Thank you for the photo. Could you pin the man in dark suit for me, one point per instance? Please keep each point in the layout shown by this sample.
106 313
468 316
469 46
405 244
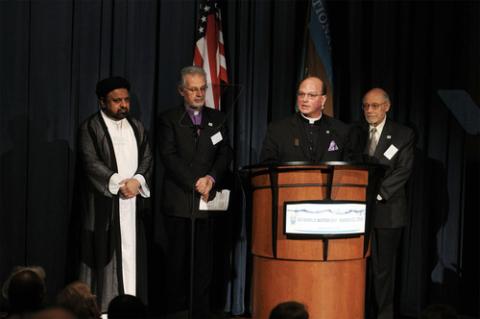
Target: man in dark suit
196 155
391 144
309 135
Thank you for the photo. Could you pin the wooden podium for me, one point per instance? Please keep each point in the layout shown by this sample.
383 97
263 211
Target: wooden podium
326 274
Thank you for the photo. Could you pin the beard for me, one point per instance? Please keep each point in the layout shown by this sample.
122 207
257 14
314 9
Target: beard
119 115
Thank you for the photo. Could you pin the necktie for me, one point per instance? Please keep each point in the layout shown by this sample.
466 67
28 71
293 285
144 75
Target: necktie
372 141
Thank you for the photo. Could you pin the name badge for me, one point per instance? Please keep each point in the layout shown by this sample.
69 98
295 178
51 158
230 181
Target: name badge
390 152
217 137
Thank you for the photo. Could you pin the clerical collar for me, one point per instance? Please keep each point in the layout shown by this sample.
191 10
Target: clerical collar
311 120
195 115
193 111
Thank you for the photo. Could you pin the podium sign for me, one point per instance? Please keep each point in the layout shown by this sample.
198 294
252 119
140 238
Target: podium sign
324 219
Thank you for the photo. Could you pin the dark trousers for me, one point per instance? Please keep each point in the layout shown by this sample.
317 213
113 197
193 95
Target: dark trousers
385 243
178 266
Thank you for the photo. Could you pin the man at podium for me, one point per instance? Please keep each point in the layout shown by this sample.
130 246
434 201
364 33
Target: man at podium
308 135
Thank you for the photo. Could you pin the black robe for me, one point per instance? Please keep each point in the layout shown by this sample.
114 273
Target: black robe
101 255
287 140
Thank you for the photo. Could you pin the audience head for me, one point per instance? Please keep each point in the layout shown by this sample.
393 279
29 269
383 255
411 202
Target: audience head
25 289
54 313
289 310
126 306
78 298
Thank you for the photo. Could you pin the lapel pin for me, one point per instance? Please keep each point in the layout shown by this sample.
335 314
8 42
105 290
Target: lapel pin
210 124
389 137
327 131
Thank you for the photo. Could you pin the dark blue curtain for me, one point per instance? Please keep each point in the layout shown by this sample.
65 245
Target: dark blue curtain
53 52
414 50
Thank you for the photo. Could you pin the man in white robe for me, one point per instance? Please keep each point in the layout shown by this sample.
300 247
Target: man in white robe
117 163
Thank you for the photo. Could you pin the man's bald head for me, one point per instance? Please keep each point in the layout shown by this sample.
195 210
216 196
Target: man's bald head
311 97
378 92
317 81
376 104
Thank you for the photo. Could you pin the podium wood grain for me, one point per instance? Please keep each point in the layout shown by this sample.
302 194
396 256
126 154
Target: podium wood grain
332 288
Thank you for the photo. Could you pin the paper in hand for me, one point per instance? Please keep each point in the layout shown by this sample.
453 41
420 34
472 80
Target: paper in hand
219 203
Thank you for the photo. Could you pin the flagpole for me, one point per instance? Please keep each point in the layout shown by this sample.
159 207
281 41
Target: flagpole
209 51
306 36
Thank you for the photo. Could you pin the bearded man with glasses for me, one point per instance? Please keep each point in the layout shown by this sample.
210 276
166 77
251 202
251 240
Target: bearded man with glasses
195 153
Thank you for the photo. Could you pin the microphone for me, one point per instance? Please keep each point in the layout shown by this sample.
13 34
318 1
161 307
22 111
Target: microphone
234 99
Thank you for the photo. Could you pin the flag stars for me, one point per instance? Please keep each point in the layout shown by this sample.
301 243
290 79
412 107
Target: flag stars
205 22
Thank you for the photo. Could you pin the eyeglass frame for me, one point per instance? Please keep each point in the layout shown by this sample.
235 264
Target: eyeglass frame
374 106
195 90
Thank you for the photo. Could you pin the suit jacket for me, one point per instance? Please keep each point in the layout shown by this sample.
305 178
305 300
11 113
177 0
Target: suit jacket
286 141
391 211
188 156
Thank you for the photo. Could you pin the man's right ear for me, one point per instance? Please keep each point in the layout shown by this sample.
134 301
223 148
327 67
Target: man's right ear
180 90
101 103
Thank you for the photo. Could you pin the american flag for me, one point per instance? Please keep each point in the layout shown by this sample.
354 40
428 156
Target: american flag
210 52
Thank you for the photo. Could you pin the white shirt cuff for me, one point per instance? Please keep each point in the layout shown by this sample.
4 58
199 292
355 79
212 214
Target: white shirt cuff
114 183
144 190
379 197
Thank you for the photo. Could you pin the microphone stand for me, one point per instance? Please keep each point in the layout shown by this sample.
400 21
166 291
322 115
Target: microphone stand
193 218
193 215
192 258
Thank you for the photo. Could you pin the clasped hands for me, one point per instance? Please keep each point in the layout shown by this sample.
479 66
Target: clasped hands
129 188
204 185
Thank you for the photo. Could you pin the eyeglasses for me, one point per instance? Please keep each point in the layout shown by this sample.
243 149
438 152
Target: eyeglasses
374 106
309 96
196 90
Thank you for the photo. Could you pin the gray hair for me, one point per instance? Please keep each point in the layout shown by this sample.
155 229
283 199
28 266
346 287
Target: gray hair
386 96
190 70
